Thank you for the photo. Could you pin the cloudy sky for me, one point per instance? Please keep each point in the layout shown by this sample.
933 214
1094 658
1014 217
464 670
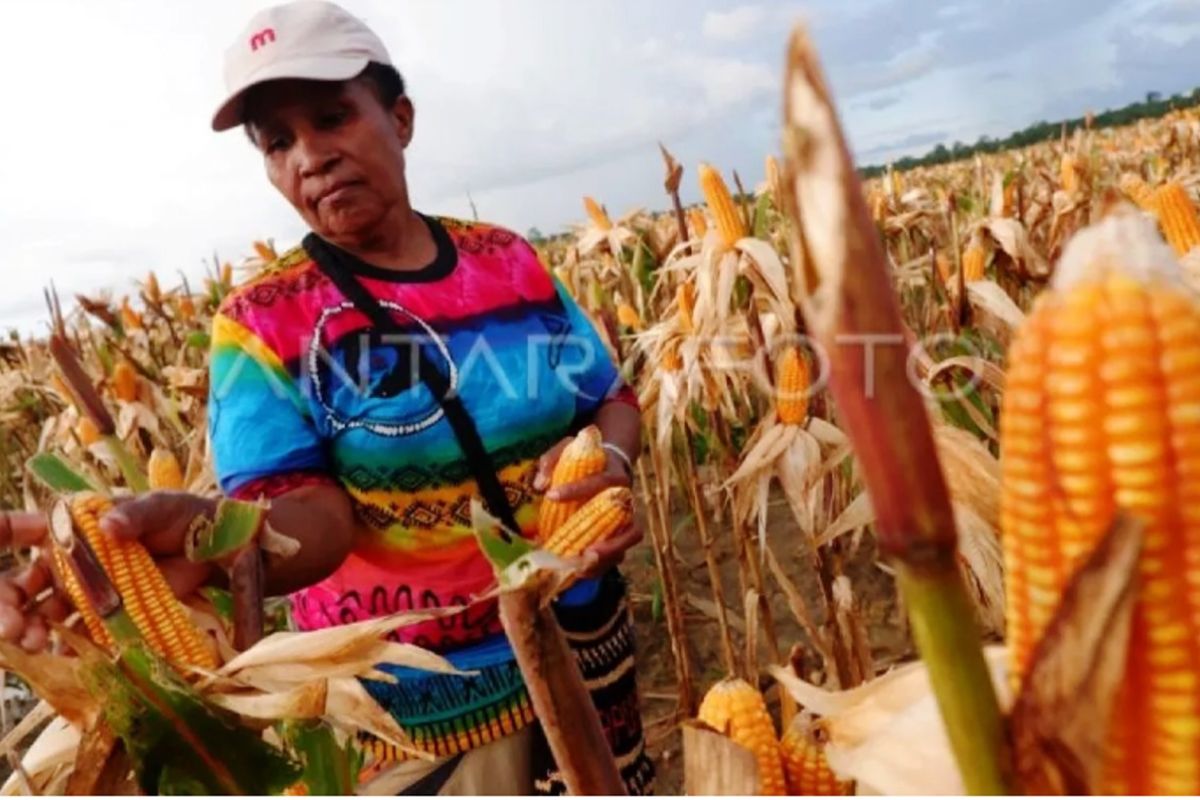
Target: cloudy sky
108 166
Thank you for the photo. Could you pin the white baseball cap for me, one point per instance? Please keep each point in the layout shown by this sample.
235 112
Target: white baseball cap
307 39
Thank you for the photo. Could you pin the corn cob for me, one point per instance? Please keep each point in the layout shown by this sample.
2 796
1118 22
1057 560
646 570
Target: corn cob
87 431
597 214
804 763
685 296
66 578
737 710
580 459
628 316
125 382
699 223
973 259
792 380
152 289
130 319
163 469
720 204
1177 217
265 252
599 518
185 308
1100 414
1138 191
145 594
1069 173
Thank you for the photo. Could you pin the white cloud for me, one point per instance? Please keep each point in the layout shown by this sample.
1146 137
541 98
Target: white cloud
735 25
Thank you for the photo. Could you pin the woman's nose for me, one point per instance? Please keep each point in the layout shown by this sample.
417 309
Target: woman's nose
315 156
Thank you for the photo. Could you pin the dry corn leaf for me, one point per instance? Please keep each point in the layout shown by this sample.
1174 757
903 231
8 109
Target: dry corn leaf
714 765
1061 719
888 734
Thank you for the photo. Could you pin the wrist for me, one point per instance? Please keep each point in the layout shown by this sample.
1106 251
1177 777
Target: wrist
621 456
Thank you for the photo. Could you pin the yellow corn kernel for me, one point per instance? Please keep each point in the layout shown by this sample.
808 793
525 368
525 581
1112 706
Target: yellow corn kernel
597 214
804 763
583 457
144 592
792 381
125 381
698 222
1102 384
163 470
598 518
1177 217
720 204
1138 191
737 710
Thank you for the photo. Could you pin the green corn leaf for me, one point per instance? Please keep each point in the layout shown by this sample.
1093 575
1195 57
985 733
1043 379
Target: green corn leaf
56 474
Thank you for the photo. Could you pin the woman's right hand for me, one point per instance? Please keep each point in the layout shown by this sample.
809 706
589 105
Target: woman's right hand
158 519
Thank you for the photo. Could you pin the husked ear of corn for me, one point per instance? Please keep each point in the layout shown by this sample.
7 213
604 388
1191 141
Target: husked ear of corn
124 381
583 457
1177 217
792 381
628 316
145 594
685 297
87 431
1070 169
699 223
737 710
601 517
973 260
164 471
185 308
130 319
597 214
1138 191
720 204
804 763
1101 413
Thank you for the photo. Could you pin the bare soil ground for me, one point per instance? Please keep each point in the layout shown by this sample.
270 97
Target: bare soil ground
873 588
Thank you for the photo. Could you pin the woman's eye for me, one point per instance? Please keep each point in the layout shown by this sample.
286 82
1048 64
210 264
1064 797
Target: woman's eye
332 119
276 143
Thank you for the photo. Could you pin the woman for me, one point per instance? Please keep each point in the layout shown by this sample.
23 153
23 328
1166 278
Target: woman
329 379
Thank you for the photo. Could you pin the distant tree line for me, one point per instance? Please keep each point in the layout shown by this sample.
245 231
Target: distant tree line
1154 106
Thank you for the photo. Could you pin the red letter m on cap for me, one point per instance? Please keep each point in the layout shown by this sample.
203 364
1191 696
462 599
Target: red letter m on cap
261 38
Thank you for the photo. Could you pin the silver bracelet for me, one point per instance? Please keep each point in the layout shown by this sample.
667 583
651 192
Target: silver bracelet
619 453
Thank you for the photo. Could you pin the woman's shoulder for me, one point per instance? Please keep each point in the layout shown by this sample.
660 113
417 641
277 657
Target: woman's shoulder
273 290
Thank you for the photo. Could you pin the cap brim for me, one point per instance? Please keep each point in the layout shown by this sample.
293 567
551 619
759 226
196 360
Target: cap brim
229 114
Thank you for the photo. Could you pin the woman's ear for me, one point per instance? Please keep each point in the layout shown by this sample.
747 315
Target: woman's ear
403 114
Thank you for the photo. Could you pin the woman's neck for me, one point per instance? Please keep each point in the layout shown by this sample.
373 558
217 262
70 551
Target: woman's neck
401 242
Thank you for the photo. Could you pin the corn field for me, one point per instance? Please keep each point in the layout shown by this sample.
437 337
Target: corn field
773 589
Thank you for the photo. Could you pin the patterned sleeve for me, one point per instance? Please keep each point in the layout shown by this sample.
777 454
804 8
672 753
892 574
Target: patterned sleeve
593 371
263 437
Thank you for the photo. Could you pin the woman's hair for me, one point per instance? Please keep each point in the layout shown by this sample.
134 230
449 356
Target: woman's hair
384 79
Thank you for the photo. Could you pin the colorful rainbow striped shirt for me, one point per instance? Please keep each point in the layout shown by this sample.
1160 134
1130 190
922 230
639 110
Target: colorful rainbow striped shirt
303 391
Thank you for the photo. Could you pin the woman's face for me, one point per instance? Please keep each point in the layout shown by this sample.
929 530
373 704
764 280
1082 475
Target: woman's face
334 152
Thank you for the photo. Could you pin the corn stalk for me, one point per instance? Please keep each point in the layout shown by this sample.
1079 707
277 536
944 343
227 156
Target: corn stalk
849 303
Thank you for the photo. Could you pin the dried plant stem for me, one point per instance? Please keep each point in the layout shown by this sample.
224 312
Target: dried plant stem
560 698
836 244
710 559
660 533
